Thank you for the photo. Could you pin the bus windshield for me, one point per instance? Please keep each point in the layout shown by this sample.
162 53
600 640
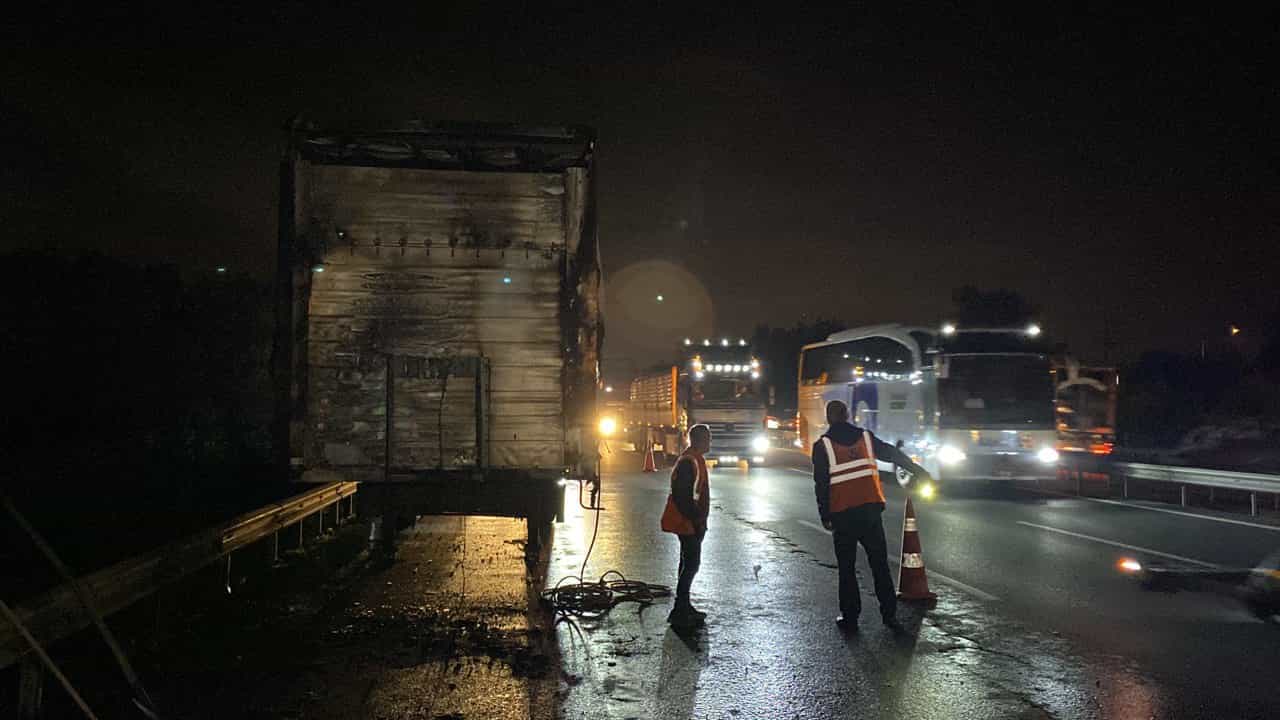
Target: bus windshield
996 391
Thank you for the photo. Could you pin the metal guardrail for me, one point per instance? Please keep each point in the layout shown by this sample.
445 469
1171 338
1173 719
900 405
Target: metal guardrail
59 613
1252 483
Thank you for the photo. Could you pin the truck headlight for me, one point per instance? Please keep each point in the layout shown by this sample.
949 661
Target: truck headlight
1047 455
608 426
760 443
950 455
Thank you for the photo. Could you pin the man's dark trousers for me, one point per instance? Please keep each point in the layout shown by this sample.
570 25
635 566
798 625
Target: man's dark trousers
862 524
690 559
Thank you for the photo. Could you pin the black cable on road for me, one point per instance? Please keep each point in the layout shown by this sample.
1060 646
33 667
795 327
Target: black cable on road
591 600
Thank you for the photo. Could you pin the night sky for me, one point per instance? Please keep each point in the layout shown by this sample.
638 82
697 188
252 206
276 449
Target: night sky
754 167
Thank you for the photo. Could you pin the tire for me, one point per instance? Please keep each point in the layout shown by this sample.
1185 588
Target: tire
538 532
1262 609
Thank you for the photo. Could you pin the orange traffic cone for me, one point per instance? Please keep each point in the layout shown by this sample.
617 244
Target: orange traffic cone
913 584
649 466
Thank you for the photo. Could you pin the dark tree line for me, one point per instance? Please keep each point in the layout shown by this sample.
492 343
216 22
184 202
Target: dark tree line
779 352
1164 395
132 384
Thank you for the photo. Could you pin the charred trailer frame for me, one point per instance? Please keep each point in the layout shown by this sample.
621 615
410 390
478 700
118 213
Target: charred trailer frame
438 313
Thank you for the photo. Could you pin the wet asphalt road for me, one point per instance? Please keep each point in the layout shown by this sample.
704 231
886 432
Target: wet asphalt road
1032 621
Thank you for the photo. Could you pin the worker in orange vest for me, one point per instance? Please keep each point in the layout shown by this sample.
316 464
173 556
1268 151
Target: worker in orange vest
686 513
850 501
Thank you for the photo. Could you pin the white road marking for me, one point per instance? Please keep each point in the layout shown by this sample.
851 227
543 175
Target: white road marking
1197 516
964 587
815 526
806 473
1113 543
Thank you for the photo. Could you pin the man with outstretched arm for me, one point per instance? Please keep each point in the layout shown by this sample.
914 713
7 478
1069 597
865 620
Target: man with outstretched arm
850 501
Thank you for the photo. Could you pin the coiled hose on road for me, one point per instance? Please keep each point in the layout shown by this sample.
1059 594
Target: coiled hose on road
591 600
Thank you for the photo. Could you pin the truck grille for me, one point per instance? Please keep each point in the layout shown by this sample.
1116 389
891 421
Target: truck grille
732 428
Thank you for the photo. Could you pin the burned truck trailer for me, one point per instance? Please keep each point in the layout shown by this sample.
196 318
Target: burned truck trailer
439 329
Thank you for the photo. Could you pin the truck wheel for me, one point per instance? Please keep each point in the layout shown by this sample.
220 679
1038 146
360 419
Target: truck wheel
538 537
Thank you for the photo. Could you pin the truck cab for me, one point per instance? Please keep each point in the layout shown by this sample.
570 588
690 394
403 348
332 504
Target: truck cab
716 383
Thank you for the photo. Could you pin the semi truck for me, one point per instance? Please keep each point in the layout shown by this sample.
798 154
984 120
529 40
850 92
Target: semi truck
1085 404
438 317
716 383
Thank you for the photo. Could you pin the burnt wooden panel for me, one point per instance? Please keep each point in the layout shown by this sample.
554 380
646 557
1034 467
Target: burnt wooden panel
434 264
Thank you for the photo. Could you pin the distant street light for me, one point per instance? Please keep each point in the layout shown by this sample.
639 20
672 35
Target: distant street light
660 298
608 388
1234 330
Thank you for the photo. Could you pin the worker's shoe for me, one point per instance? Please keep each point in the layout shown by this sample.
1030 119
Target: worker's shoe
695 612
682 618
847 623
685 616
894 626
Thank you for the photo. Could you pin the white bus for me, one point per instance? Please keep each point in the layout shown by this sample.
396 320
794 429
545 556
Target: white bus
967 404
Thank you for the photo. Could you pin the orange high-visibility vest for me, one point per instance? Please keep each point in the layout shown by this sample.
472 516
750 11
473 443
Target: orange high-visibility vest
854 478
674 521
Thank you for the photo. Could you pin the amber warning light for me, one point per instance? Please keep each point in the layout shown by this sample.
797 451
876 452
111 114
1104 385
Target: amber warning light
1130 565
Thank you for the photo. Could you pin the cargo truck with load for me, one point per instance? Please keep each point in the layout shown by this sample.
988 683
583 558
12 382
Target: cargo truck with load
438 317
716 383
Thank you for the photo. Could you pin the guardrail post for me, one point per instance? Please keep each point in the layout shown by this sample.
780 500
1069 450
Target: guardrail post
275 548
1183 492
320 517
1253 503
1079 483
301 524
228 573
30 688
1124 486
1212 495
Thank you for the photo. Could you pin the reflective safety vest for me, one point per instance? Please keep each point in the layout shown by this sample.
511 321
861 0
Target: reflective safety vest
674 521
855 480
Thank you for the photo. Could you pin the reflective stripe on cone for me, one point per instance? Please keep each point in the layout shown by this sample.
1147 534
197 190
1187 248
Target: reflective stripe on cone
913 581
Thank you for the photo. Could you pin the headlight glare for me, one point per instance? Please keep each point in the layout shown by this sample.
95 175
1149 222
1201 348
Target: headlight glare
950 455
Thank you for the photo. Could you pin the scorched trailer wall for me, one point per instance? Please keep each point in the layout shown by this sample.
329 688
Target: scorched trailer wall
439 320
